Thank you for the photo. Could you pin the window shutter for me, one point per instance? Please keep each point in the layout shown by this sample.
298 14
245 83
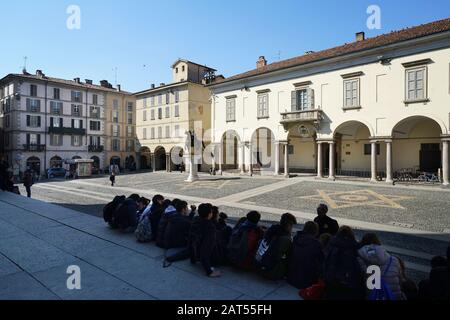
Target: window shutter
38 139
73 123
28 139
28 121
38 105
61 122
293 100
81 124
51 122
28 104
38 121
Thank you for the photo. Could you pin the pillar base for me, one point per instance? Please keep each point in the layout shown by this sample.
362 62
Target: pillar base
192 178
332 178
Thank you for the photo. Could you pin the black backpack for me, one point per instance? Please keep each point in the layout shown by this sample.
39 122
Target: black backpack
110 208
238 245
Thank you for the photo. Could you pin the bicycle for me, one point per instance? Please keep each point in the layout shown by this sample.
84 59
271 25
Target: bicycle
428 177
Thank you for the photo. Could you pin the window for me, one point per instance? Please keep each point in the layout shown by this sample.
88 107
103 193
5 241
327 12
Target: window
176 70
56 94
177 131
130 145
56 107
115 145
33 139
33 105
152 100
95 125
76 141
351 93
231 109
302 99
115 116
94 141
130 118
167 132
177 111
368 149
167 98
94 112
77 124
33 121
55 140
94 99
183 68
76 110
144 102
177 96
152 113
56 122
160 113
144 115
144 133
76 96
130 106
129 131
115 131
167 112
416 84
152 133
7 122
115 104
33 90
159 132
263 105
160 99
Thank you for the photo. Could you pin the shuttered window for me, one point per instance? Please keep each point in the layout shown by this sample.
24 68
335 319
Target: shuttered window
263 105
416 84
351 93
231 109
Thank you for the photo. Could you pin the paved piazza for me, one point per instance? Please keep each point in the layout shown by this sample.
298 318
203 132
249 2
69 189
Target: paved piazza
412 221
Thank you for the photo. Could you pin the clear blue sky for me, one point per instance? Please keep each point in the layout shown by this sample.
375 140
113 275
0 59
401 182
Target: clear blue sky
227 35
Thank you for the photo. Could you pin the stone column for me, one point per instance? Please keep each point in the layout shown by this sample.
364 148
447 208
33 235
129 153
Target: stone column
277 158
373 161
168 163
389 161
242 157
319 160
213 158
153 156
220 160
331 175
250 159
445 163
286 160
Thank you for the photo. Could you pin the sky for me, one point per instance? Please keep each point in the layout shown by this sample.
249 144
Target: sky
139 40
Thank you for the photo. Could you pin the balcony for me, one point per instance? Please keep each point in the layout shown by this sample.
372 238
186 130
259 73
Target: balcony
34 147
302 116
95 149
67 131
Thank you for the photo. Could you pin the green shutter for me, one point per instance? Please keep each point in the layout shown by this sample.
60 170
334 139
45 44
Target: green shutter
294 100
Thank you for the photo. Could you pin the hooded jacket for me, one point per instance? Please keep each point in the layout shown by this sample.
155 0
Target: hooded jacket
376 255
305 266
176 234
170 211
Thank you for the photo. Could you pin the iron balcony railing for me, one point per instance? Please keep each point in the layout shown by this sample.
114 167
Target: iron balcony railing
94 148
315 115
34 147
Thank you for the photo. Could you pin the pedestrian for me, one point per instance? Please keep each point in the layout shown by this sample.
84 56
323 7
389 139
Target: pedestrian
28 181
326 224
436 287
305 266
112 178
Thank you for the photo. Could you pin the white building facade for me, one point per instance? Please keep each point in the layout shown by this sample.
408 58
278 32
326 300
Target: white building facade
376 108
48 122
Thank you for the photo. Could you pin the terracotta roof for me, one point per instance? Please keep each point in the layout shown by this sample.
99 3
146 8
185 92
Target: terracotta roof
65 82
369 43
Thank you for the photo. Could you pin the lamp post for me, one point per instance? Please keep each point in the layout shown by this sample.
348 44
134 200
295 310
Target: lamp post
193 176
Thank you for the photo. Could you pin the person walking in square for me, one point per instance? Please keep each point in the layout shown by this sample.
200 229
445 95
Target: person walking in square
28 182
112 178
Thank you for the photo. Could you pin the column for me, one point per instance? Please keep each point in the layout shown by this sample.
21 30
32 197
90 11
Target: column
373 161
213 158
168 163
319 160
220 160
445 163
332 176
277 158
389 161
153 156
250 159
242 157
286 160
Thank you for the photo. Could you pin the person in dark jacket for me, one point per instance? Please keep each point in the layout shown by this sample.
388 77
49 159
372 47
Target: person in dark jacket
202 241
168 212
156 210
28 181
176 235
273 253
143 207
112 178
326 224
125 216
436 286
241 252
305 266
223 231
342 273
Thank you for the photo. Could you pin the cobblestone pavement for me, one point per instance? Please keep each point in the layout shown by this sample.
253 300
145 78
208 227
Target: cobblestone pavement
406 219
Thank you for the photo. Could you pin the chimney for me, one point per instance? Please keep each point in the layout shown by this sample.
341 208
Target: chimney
153 86
262 62
309 52
104 83
88 81
360 36
77 80
39 73
119 88
162 84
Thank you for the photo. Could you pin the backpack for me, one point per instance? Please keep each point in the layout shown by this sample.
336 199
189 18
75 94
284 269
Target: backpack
238 246
262 250
143 231
384 293
110 208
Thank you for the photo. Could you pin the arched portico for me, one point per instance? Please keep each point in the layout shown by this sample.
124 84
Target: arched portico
302 148
145 154
261 151
160 159
230 152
